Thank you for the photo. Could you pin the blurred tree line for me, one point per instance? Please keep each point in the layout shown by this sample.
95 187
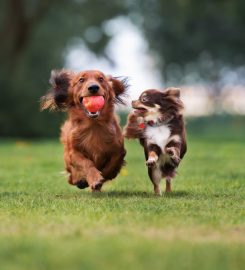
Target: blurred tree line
34 36
189 37
184 35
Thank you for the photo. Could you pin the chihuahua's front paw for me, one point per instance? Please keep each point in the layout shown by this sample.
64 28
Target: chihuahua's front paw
173 154
151 162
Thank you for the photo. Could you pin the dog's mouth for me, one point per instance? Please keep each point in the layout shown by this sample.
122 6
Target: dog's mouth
92 114
92 105
139 110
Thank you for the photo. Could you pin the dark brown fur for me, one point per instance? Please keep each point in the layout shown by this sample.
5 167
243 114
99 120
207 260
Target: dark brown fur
159 111
93 144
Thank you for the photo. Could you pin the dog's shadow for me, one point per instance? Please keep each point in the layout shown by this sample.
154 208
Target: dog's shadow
104 194
139 194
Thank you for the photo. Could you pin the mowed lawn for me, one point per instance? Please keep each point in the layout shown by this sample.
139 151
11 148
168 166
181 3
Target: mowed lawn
47 224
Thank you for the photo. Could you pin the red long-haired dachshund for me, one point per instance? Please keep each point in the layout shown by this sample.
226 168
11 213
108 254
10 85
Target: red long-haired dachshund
93 142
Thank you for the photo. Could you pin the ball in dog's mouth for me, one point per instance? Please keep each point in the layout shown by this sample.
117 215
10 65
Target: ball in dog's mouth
93 105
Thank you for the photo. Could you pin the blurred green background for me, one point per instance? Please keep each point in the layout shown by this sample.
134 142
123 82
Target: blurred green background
190 42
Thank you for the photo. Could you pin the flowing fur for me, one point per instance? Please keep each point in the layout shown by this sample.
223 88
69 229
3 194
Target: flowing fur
93 144
158 124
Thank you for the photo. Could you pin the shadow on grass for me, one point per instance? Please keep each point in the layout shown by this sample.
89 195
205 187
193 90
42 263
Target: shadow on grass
139 194
176 194
103 194
123 194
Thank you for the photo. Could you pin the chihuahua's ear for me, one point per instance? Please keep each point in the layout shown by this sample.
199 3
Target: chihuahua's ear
174 94
172 91
119 86
57 97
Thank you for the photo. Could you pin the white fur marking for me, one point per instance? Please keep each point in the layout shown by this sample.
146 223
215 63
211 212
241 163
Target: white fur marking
175 138
158 135
152 113
154 159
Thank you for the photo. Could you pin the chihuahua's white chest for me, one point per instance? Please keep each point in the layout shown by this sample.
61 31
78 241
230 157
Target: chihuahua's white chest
158 135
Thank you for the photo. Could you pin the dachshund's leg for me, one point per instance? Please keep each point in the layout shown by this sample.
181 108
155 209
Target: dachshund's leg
84 168
82 184
114 165
68 163
77 178
74 175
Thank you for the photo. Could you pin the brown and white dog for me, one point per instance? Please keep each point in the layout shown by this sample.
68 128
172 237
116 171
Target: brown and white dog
157 121
93 142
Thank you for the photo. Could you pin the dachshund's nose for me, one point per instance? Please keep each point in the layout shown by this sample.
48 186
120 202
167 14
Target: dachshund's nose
94 88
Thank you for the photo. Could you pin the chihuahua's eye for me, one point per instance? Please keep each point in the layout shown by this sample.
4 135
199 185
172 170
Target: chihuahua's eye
144 99
101 79
81 80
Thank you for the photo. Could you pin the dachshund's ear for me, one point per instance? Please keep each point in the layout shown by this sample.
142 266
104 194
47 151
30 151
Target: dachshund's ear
57 97
119 86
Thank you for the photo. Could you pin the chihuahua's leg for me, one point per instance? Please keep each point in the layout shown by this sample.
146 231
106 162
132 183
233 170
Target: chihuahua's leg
168 185
173 150
152 155
152 159
155 175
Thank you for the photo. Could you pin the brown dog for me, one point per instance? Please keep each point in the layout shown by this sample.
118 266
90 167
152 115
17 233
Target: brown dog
158 123
93 142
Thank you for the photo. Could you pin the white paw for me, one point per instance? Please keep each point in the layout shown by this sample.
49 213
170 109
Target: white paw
158 191
151 162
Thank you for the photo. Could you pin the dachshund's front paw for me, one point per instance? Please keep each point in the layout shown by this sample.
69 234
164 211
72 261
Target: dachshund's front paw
97 185
82 184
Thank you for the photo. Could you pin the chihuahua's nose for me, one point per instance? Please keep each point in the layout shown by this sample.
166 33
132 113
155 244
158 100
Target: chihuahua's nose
94 88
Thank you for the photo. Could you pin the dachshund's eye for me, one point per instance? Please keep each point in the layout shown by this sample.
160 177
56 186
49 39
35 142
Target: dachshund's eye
81 80
101 79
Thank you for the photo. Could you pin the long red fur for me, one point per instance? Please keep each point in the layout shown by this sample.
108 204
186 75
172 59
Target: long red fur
93 148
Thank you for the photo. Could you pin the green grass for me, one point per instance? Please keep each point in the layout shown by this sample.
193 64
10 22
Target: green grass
47 224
